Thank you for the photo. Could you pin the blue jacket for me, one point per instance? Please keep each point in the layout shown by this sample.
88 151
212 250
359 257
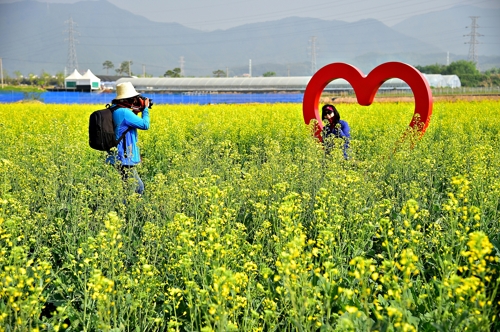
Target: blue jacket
124 118
342 130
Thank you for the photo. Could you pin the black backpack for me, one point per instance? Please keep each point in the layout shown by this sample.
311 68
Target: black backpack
102 129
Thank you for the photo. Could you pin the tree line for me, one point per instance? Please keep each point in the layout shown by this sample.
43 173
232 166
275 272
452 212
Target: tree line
467 72
469 75
43 80
176 72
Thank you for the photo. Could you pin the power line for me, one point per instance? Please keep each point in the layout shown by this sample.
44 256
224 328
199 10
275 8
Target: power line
313 55
473 41
181 62
72 62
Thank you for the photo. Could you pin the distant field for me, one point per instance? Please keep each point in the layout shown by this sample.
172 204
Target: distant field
246 224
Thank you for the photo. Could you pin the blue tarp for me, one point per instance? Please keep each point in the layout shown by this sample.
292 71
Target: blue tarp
11 97
158 98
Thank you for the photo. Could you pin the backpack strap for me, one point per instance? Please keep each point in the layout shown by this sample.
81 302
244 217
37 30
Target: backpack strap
122 137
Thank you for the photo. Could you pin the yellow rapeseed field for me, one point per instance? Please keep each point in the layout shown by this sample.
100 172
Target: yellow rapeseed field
247 225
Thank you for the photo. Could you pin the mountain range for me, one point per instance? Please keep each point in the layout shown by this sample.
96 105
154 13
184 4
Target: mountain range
37 37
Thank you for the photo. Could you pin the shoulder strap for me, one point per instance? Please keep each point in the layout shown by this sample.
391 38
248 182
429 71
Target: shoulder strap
122 137
112 108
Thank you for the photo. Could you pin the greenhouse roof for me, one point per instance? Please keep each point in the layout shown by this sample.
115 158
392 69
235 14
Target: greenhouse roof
264 84
240 84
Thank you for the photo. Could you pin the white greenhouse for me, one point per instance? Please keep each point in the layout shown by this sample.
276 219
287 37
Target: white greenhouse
263 84
241 84
443 81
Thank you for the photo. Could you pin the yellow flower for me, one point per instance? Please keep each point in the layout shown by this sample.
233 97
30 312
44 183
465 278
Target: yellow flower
351 309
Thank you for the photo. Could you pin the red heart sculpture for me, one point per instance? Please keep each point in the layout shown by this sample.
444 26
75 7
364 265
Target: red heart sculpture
366 87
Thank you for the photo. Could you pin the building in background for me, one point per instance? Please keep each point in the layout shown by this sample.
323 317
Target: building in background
72 80
86 82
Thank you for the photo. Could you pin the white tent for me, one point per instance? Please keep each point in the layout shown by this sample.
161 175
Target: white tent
73 80
90 79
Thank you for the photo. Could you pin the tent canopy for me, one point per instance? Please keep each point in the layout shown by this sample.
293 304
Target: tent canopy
76 80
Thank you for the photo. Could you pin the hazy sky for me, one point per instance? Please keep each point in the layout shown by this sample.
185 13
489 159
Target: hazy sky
222 14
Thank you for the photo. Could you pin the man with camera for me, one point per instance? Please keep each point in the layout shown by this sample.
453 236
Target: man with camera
127 106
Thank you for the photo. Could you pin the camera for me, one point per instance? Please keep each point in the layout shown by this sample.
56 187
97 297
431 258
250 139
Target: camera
143 99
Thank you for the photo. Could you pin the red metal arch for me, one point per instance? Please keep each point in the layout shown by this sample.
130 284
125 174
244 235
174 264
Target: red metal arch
366 87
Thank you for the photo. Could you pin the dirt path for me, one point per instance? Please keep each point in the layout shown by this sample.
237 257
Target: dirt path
348 100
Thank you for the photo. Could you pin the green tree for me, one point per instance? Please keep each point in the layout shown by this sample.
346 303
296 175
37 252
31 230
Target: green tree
7 79
58 80
219 73
19 77
466 71
108 65
125 68
269 74
43 79
461 67
491 77
492 71
176 72
32 78
432 69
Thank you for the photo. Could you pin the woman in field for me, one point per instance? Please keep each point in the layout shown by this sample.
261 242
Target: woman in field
333 128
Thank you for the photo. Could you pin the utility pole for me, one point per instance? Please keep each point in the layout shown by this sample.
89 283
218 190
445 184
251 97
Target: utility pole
181 62
313 55
1 70
72 62
129 69
143 70
448 58
250 67
227 71
473 41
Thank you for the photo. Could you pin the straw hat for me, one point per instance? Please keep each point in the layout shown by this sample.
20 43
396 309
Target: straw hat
125 90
